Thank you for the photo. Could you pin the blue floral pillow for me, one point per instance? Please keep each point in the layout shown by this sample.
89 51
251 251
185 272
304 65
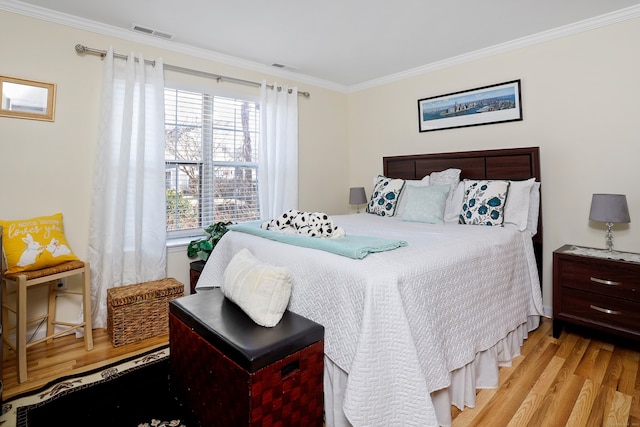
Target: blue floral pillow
385 195
484 202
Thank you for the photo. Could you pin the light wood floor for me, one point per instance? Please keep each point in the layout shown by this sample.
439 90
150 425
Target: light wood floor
67 356
576 380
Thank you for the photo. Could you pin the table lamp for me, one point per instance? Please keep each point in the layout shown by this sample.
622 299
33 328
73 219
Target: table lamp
610 209
357 197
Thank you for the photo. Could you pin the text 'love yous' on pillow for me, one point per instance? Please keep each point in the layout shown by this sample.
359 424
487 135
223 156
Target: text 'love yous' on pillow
35 243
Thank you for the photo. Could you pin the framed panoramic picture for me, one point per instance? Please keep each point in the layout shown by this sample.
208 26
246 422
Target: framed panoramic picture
481 106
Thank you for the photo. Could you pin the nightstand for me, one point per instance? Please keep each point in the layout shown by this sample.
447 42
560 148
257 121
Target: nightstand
194 274
595 289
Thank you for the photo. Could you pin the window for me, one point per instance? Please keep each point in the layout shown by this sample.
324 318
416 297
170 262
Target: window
211 160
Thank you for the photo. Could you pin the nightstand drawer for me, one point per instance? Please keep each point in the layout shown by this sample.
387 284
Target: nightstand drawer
604 278
600 309
592 290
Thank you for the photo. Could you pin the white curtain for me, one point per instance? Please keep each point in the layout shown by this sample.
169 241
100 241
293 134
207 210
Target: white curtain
127 235
278 151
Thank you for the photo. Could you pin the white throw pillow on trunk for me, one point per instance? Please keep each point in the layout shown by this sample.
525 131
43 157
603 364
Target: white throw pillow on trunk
261 290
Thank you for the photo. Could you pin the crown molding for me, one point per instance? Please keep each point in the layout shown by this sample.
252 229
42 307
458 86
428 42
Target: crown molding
545 36
126 34
108 30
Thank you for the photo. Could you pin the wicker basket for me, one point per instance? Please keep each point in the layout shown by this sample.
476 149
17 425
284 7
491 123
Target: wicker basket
140 311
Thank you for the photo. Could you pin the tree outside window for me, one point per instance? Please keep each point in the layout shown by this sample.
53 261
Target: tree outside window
211 160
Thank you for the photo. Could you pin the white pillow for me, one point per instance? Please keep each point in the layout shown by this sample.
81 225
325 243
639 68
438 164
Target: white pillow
534 209
516 209
260 289
402 202
454 205
425 204
449 177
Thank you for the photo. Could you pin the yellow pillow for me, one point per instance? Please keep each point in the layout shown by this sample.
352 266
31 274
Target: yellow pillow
32 244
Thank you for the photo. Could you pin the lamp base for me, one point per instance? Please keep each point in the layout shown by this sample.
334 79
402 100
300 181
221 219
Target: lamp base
609 237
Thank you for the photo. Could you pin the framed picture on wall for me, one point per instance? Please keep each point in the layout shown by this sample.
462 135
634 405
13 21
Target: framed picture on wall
485 105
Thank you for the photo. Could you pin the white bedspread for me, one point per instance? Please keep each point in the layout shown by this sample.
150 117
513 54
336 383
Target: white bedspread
399 321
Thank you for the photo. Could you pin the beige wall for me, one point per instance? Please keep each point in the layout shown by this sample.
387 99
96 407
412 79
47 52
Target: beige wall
580 105
580 100
46 167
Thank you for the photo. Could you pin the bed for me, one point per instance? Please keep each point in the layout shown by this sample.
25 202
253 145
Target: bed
411 331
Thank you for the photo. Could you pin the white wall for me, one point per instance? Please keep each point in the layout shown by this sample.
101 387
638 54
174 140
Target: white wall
46 167
580 98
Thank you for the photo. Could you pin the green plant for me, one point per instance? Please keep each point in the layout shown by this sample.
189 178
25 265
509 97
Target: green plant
202 248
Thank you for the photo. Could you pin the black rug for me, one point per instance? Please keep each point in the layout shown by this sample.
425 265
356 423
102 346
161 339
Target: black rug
135 393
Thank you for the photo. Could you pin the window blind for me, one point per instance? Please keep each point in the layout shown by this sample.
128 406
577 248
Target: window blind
211 160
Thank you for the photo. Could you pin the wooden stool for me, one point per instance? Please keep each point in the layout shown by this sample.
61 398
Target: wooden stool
50 276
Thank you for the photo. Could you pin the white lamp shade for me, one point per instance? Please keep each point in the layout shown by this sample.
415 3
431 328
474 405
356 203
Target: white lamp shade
609 208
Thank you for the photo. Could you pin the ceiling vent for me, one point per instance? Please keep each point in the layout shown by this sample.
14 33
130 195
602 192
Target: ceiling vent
284 67
152 32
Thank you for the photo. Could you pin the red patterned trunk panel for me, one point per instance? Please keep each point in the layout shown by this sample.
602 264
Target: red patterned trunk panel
287 392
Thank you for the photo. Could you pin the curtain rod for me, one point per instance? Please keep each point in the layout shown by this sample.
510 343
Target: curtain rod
81 49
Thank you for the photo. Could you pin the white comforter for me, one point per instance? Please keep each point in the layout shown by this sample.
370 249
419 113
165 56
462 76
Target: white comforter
399 321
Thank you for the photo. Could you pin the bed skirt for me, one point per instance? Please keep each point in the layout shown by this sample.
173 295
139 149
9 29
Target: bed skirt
480 373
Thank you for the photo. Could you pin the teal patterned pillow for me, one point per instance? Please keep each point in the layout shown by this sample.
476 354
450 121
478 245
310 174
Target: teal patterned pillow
385 195
484 202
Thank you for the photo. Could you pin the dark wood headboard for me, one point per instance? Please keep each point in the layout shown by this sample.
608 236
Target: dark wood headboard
510 163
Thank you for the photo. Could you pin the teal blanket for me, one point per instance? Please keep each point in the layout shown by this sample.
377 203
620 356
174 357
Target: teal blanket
356 247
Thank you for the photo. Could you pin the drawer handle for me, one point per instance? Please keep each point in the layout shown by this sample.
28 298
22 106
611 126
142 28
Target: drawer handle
605 310
605 282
